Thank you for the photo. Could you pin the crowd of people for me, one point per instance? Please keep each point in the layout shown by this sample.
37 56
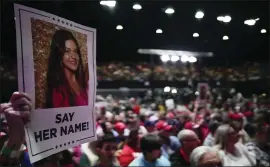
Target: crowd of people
172 72
204 132
177 72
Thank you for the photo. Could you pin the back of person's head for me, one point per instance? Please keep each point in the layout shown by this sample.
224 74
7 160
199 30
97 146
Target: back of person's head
186 117
150 142
216 116
198 153
250 128
185 132
213 125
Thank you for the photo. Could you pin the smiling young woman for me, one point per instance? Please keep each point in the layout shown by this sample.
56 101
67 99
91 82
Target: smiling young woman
66 81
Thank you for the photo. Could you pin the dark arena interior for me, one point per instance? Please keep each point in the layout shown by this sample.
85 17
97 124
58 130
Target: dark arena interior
167 69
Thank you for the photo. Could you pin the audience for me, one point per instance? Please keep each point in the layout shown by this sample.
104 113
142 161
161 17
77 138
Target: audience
178 72
233 132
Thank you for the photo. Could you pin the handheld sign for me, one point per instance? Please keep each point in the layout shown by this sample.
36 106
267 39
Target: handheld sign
203 88
57 68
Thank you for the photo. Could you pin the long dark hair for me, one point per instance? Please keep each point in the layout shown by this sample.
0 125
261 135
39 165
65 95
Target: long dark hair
56 76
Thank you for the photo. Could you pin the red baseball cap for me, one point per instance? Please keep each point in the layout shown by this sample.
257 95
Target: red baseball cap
160 125
120 126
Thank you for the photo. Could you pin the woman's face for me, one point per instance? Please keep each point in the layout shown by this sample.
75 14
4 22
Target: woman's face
70 59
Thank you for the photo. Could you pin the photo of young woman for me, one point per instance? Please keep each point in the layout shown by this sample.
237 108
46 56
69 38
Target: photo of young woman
66 81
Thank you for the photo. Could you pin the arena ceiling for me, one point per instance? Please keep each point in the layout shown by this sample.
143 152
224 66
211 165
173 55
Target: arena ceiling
139 27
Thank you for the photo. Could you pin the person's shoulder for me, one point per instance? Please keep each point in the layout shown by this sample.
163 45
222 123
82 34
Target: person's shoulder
174 138
136 162
164 161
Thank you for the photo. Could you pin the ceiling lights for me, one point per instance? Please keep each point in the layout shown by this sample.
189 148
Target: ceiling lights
165 58
251 22
225 19
225 37
137 6
110 4
174 91
159 31
192 59
195 35
167 89
184 58
119 27
169 11
199 15
175 58
263 31
220 18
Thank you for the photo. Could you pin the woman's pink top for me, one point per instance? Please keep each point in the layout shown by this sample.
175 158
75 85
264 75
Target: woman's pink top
60 98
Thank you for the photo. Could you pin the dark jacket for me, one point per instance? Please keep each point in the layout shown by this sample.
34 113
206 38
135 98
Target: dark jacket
177 160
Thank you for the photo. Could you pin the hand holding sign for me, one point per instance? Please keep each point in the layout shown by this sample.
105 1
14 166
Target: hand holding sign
17 113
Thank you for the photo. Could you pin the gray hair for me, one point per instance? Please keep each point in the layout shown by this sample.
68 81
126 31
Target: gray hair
221 135
197 154
185 132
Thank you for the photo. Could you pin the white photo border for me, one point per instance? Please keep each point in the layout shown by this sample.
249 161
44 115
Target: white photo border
18 9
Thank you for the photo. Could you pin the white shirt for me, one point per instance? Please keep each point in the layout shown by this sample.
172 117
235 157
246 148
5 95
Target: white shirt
242 157
209 140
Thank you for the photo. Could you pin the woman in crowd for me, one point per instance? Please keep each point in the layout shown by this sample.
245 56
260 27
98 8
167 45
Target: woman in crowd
66 81
232 152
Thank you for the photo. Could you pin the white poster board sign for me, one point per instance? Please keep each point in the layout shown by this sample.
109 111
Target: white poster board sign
57 68
169 103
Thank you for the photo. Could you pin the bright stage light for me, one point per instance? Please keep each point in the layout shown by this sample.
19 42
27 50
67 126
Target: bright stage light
165 58
137 7
199 15
169 11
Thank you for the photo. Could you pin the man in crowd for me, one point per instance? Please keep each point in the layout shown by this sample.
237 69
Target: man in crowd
189 141
105 149
150 147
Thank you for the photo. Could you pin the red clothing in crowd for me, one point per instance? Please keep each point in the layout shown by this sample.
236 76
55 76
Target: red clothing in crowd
136 109
184 155
60 97
126 156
